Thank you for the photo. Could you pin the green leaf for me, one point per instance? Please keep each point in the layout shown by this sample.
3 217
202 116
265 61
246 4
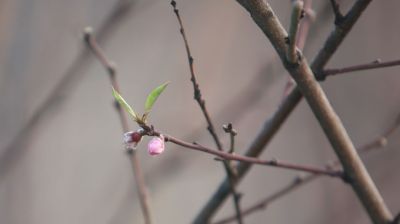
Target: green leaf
124 104
152 97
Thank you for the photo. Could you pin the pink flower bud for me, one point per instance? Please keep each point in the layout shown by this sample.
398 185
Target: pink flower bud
132 138
156 145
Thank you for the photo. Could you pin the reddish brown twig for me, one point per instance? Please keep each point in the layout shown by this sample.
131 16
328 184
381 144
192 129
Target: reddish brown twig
368 66
299 181
210 126
221 155
110 67
196 88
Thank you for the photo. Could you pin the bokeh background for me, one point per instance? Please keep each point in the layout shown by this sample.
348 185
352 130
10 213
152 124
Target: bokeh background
61 153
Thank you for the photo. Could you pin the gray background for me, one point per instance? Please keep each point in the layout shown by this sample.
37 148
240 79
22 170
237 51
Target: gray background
67 164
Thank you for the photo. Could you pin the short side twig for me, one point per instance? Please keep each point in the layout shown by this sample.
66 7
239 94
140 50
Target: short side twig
297 11
110 67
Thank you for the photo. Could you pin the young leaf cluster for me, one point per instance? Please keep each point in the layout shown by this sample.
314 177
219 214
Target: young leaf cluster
151 99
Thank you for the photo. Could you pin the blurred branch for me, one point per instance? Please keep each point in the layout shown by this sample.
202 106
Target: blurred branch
109 66
338 15
68 79
368 66
272 125
299 181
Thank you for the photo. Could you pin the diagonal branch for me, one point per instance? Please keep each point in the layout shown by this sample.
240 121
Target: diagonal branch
196 88
272 125
355 170
210 126
112 72
375 144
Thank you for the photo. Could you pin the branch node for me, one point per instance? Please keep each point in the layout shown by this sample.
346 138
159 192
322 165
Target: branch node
87 33
173 3
346 178
339 18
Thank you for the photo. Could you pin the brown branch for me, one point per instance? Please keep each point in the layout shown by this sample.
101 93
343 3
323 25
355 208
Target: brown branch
354 169
112 72
297 10
210 126
299 181
197 92
221 155
368 66
271 126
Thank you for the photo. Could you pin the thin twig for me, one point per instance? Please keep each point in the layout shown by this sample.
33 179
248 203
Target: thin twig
354 168
233 173
197 92
368 66
232 133
308 16
305 24
299 181
112 72
272 125
210 126
297 10
221 155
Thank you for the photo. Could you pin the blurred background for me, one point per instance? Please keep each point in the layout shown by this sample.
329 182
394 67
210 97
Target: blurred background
61 154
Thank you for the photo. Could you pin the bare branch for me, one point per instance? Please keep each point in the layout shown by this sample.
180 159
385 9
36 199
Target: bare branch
330 46
245 159
233 173
112 72
299 181
297 10
197 92
354 169
368 66
210 126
